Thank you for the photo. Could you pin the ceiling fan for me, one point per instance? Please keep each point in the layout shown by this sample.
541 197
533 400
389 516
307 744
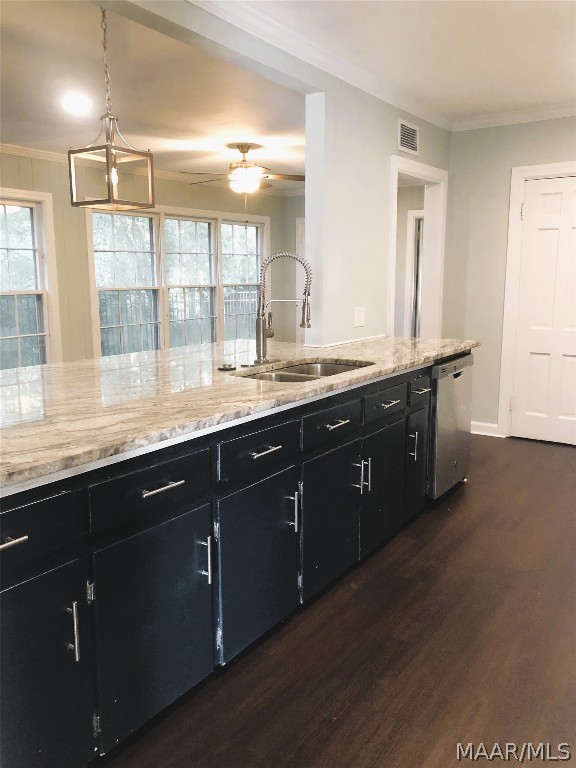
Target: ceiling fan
245 177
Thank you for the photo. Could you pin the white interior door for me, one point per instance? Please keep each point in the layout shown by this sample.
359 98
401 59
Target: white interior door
544 400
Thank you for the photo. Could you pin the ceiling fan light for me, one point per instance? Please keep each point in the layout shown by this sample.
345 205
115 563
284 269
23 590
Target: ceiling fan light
245 179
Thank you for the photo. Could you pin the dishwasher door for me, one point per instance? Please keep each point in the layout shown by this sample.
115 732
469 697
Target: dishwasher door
450 446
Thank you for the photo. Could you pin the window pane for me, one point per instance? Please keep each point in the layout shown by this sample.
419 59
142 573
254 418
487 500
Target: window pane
176 306
30 319
102 231
144 268
130 307
177 334
105 263
142 233
125 270
188 275
148 306
150 336
203 237
22 270
7 316
188 235
131 338
240 257
109 308
4 271
32 350
8 353
173 274
20 226
123 232
123 250
229 327
110 341
171 235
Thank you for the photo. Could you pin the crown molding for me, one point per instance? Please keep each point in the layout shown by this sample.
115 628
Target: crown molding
254 22
514 117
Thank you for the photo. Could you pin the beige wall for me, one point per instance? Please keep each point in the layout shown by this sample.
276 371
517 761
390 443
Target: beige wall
27 173
478 203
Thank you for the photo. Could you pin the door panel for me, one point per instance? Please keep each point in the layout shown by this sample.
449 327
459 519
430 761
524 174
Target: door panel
153 621
331 502
259 558
382 510
48 697
545 359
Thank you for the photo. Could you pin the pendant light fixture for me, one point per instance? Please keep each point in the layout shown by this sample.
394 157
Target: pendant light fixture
111 182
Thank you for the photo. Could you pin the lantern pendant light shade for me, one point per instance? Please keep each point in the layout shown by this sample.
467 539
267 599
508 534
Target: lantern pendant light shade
117 176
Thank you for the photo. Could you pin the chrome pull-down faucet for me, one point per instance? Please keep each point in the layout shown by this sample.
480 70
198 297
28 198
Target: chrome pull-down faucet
263 331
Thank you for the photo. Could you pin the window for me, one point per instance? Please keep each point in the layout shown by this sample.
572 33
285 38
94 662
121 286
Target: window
22 295
126 278
174 280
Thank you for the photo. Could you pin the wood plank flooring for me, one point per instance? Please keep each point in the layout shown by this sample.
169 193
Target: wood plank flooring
461 629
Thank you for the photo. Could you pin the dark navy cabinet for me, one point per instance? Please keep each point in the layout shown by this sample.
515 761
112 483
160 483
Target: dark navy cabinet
47 672
330 504
154 629
259 556
383 478
417 435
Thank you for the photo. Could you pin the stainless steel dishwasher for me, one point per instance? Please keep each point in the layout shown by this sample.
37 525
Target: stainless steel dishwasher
450 438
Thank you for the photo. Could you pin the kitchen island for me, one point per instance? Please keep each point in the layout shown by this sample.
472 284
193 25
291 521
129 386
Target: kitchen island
160 516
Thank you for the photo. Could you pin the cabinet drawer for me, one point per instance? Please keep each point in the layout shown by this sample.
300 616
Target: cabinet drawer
331 424
42 528
151 494
385 402
420 391
259 453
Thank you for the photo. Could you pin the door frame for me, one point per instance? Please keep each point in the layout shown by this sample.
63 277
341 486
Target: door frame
520 175
435 204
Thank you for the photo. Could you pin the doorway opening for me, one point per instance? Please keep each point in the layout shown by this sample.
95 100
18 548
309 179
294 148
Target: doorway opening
416 248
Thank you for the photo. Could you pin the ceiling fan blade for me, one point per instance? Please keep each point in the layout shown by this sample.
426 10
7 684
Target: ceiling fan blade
206 181
203 173
285 177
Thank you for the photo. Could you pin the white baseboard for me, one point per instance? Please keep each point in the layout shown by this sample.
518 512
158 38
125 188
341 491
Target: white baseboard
485 428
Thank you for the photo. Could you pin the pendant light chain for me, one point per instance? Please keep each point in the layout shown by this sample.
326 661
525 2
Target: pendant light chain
104 26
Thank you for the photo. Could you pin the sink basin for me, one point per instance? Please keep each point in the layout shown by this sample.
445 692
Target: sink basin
282 375
320 369
306 371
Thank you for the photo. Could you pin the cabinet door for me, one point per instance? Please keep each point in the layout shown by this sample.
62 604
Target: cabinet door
382 510
153 621
259 558
330 516
416 461
47 690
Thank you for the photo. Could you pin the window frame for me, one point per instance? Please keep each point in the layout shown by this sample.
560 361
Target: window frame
41 203
158 214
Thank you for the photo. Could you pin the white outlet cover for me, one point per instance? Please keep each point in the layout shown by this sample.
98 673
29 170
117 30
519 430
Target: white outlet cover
359 316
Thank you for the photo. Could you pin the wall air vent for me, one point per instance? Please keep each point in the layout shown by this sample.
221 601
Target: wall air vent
408 137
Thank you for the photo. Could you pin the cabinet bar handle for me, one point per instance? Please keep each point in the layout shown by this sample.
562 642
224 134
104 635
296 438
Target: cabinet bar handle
296 499
415 454
361 484
369 465
387 404
269 449
208 572
339 423
12 542
175 484
421 391
75 646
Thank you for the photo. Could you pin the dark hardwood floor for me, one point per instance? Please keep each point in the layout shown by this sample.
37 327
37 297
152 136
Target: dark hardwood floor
462 629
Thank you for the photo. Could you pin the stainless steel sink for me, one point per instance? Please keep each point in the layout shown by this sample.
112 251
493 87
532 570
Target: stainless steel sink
281 375
306 371
320 369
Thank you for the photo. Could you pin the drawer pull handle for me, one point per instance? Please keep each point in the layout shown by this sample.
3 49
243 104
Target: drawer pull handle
12 542
295 499
387 404
75 646
338 423
175 484
369 465
421 391
269 449
362 482
415 454
208 572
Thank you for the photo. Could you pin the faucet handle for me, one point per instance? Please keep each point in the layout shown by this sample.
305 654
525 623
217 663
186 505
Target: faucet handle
269 329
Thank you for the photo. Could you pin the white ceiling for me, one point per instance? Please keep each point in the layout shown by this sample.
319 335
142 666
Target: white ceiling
459 64
456 63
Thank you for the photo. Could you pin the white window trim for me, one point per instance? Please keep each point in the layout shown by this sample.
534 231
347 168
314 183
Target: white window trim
42 202
161 212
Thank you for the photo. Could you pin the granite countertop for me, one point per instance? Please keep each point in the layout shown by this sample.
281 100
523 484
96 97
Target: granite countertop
61 419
